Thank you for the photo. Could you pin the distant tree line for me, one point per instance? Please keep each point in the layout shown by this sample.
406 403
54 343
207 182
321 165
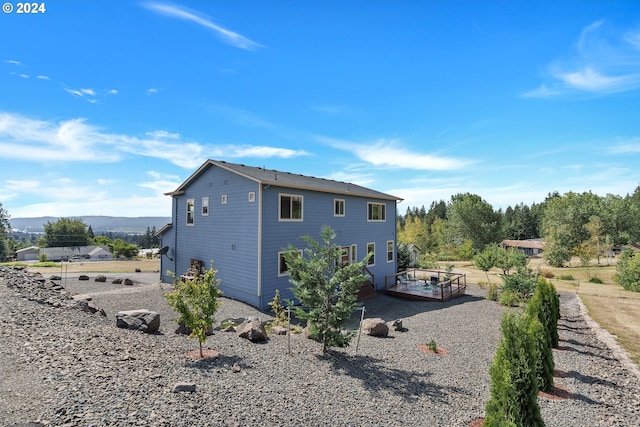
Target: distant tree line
573 224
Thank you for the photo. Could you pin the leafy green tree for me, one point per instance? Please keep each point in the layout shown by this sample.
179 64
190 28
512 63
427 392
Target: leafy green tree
628 271
487 259
514 385
196 301
471 217
564 223
66 232
509 258
326 287
121 248
7 247
404 258
102 241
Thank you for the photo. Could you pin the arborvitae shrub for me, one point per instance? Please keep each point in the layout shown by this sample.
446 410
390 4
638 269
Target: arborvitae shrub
539 316
514 386
492 293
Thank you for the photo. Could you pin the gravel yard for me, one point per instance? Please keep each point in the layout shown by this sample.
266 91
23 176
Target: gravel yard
62 366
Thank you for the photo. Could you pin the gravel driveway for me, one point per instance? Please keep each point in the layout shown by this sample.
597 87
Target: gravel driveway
61 366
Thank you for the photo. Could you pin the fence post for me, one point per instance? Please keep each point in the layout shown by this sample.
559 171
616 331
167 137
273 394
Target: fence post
360 328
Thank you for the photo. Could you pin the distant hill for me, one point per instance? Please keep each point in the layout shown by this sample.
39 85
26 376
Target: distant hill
99 224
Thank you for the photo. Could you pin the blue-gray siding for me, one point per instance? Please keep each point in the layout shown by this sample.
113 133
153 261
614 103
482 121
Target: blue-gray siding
230 235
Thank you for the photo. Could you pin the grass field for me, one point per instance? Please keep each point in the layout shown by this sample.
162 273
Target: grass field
616 310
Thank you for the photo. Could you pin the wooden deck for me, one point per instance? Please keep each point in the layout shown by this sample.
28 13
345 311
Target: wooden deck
426 285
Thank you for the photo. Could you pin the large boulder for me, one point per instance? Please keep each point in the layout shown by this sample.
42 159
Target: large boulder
101 278
142 320
376 327
253 330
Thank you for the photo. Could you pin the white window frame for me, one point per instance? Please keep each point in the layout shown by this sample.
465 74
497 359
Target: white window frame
390 245
205 206
223 199
191 213
280 261
291 198
370 207
251 196
372 260
336 211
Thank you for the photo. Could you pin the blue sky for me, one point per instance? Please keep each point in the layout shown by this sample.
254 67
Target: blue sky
105 105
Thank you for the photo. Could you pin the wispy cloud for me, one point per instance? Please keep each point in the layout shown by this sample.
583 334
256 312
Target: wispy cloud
43 77
14 62
24 138
629 146
391 153
230 37
153 90
603 60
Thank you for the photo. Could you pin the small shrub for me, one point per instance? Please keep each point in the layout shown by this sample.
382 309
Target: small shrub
431 345
595 280
509 298
566 277
482 284
279 311
492 293
548 274
42 257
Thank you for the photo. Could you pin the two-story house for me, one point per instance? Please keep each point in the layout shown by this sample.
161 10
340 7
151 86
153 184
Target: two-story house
243 218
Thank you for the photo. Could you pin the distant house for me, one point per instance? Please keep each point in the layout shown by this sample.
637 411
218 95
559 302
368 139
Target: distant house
242 218
80 253
529 247
28 254
414 254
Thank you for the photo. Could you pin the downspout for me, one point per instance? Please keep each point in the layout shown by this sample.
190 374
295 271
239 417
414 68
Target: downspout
260 245
175 236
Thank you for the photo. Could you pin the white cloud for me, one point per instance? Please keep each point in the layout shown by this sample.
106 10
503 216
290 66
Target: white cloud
23 138
89 92
229 37
153 91
112 91
390 153
42 77
604 60
629 146
14 62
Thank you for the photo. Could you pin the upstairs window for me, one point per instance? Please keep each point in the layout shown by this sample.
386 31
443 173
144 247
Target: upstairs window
338 207
191 210
205 206
290 207
376 212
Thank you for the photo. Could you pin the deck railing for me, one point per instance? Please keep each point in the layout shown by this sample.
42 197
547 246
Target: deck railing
450 284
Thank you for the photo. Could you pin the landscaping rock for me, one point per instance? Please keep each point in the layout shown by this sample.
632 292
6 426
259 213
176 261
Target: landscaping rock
142 320
83 277
101 278
375 327
184 388
88 306
128 282
55 277
117 281
253 330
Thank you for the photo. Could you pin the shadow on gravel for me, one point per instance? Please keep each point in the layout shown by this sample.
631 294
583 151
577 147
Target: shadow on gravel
391 308
221 361
376 378
587 353
575 342
587 379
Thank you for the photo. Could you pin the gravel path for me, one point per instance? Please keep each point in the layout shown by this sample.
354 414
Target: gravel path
62 366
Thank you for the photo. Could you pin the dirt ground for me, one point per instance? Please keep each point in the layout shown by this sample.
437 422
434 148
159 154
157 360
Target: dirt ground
144 265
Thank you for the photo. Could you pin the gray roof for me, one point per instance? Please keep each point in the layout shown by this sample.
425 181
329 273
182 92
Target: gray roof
288 180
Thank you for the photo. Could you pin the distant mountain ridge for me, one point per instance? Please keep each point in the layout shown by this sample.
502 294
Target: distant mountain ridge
99 224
